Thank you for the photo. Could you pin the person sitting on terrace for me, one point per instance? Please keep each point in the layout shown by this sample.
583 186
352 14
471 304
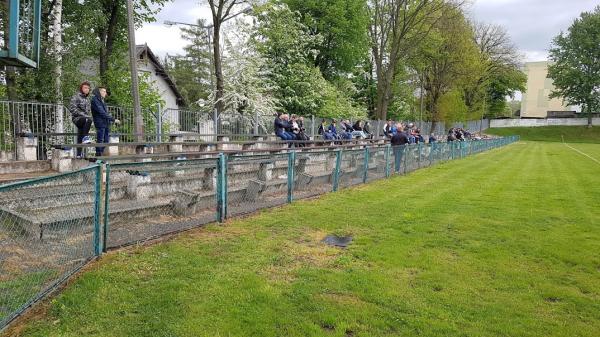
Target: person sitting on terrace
332 130
346 130
367 130
281 125
324 131
358 130
387 129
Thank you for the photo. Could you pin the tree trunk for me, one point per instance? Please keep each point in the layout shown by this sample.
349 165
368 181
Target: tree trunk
384 90
57 51
590 120
218 67
107 37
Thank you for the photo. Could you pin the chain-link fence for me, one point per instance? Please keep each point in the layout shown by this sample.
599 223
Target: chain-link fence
256 182
150 199
49 228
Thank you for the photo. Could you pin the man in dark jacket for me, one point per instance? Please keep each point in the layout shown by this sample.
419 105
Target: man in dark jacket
102 119
399 141
281 124
79 108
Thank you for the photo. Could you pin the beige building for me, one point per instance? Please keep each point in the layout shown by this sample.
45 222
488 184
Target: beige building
536 102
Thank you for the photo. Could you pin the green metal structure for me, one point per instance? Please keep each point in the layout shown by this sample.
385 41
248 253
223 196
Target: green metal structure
21 24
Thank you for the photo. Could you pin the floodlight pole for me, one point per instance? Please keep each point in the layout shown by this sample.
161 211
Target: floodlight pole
138 121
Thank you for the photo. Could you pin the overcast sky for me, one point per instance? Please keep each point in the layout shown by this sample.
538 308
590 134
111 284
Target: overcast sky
531 23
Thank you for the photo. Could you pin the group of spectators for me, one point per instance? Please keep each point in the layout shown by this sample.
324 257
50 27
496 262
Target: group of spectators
403 133
292 129
460 134
346 130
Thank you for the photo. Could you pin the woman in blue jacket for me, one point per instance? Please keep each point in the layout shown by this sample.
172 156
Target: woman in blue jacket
102 119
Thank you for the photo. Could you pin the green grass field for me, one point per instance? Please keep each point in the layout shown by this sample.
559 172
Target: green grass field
571 134
505 243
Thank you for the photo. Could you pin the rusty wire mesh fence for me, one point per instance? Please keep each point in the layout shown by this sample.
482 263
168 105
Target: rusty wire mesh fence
49 228
143 201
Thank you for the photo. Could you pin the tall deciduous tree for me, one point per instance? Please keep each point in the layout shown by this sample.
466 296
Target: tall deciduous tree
451 59
192 71
396 31
221 10
287 46
342 24
576 58
498 75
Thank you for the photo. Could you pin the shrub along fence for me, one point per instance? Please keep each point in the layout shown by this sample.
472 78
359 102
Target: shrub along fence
53 226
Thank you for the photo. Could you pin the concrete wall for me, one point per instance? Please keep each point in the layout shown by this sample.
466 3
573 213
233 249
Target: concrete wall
536 102
509 123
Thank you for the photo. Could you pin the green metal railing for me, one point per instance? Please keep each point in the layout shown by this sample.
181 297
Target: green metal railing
51 227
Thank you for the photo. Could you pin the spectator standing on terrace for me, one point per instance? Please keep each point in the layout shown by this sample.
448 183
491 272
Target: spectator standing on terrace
102 119
432 138
79 108
399 141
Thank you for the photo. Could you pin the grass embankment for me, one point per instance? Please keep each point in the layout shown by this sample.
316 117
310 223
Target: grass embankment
506 243
572 134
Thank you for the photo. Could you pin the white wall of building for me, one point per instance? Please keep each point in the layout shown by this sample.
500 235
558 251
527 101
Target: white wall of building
170 107
510 123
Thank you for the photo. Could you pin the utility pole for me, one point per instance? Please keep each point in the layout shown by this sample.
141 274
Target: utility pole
138 121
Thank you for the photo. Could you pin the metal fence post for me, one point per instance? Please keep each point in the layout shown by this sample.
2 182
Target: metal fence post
388 149
158 122
366 166
216 124
336 173
222 188
256 121
290 175
405 155
431 150
419 159
312 127
106 207
97 197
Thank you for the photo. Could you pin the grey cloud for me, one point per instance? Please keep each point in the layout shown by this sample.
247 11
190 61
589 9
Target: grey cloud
532 24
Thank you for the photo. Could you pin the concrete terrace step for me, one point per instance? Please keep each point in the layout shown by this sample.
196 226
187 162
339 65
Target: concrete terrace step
36 221
20 167
8 178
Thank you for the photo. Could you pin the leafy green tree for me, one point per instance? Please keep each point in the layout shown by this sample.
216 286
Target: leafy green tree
451 59
287 47
342 27
192 71
576 63
498 75
397 31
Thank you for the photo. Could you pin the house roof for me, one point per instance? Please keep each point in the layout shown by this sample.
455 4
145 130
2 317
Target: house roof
160 70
